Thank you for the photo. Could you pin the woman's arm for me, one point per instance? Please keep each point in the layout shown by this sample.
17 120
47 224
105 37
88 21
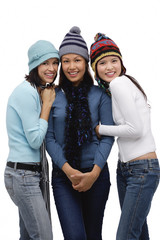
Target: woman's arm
34 126
52 146
124 100
106 142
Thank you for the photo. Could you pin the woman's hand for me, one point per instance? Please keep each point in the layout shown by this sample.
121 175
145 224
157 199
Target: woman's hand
86 180
48 95
97 131
74 181
69 171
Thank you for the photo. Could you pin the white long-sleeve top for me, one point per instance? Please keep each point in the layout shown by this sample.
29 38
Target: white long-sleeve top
131 115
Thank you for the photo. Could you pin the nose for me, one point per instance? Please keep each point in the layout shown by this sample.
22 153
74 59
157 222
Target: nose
109 66
71 65
51 67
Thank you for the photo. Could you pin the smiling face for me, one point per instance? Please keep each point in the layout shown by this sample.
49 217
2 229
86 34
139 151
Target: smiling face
47 70
108 68
74 67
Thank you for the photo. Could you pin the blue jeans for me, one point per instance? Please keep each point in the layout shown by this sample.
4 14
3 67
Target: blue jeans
81 213
23 188
137 182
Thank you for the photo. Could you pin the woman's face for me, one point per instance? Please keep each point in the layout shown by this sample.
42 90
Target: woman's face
74 67
47 70
109 68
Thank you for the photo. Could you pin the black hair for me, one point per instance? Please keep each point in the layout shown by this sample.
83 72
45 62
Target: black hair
137 84
33 77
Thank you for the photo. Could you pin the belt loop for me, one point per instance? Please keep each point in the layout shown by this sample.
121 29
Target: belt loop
15 166
127 164
149 163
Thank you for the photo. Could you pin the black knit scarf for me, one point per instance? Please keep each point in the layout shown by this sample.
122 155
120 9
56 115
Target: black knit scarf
78 129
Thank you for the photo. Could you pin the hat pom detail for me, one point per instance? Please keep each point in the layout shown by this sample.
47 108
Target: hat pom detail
75 30
99 36
74 43
96 37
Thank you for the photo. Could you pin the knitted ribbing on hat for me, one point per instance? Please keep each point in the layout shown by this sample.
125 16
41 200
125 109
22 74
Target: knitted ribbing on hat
103 46
74 43
78 129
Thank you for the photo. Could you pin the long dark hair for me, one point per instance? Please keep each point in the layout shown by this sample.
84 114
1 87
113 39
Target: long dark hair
137 84
33 77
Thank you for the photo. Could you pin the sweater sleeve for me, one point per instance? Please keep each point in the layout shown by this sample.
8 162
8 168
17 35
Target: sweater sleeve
106 142
53 148
28 110
123 96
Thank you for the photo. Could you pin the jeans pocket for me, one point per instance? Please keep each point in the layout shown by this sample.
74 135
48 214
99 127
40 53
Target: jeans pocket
138 171
31 177
8 180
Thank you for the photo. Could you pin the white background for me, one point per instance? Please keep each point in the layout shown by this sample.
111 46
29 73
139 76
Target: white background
133 25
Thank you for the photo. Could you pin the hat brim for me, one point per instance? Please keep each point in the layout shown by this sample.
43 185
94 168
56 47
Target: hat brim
93 65
45 57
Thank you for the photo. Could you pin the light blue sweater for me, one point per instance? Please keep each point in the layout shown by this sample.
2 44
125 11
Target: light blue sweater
25 129
95 152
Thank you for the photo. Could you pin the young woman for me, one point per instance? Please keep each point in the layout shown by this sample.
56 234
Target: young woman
138 167
80 178
27 122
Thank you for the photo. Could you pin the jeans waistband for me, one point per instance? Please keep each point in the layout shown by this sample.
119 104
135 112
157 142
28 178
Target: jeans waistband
25 166
89 169
145 163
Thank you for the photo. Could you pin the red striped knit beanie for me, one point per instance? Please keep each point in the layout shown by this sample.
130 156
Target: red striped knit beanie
102 47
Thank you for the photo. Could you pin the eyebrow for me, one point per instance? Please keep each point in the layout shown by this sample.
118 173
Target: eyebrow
65 58
101 60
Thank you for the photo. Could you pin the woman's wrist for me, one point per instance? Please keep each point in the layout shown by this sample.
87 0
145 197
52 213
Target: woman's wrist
95 171
45 111
68 170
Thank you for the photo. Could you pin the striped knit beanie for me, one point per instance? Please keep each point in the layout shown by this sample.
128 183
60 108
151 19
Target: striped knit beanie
102 47
74 43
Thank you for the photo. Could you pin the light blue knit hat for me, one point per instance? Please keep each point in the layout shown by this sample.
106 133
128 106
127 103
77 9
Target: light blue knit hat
40 52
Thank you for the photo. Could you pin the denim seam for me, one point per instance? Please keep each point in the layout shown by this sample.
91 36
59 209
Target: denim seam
135 209
30 202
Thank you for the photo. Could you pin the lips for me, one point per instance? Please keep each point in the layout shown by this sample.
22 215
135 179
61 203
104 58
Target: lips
73 74
49 75
110 74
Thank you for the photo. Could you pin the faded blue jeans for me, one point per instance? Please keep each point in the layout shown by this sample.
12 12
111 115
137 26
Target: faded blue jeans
23 188
137 182
81 213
